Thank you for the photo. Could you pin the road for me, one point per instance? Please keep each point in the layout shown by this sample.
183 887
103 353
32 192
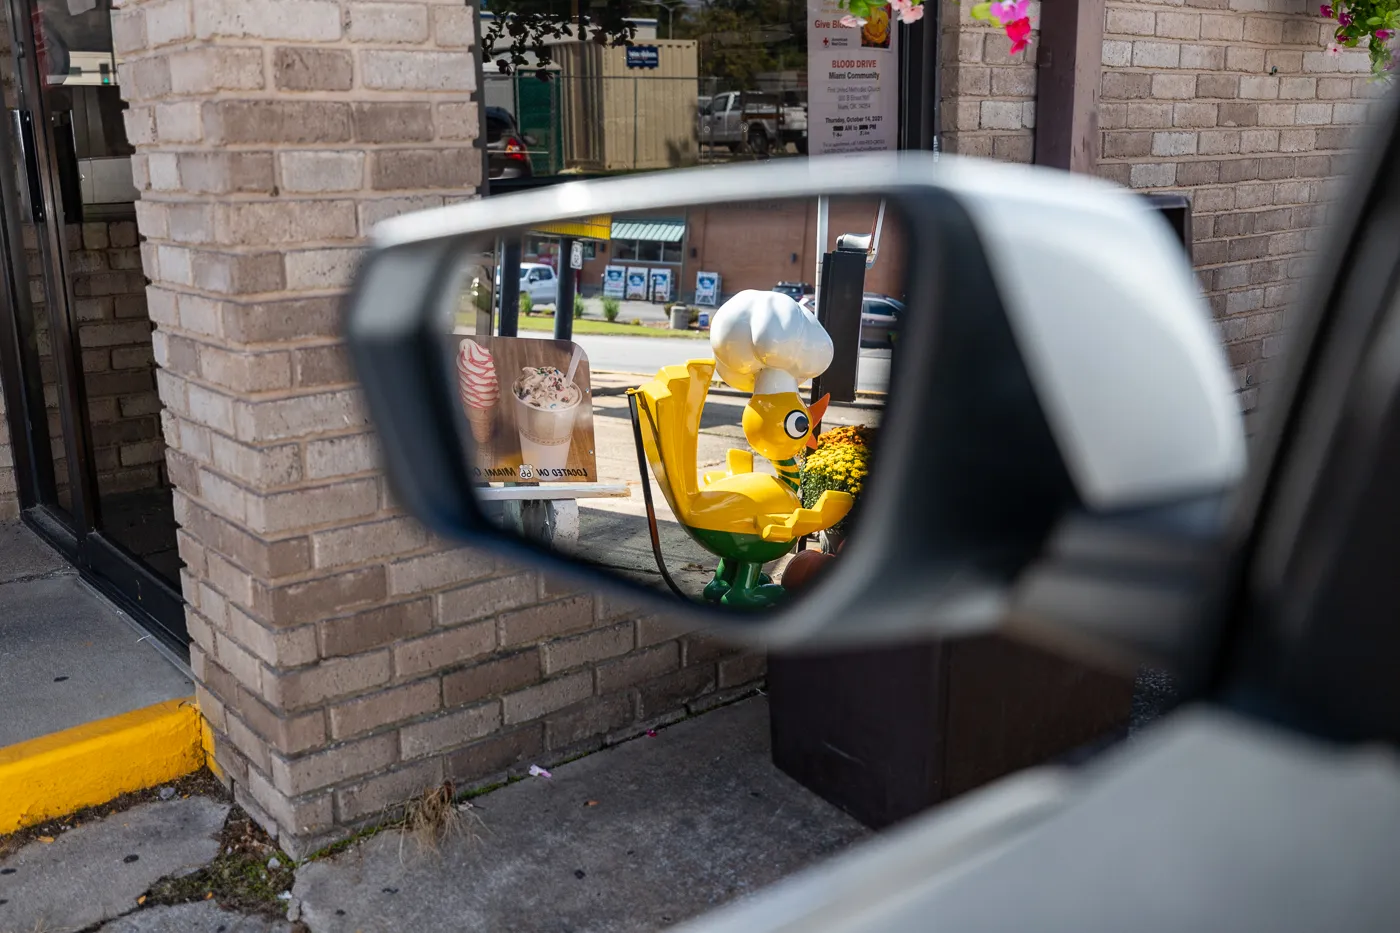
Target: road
648 354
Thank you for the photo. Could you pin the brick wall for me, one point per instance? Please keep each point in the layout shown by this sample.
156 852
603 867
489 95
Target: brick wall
1235 103
987 105
114 332
345 660
759 244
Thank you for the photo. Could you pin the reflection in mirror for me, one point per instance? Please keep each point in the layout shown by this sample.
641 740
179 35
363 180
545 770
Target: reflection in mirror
692 402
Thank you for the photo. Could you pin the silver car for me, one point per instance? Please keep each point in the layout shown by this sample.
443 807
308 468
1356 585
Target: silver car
879 318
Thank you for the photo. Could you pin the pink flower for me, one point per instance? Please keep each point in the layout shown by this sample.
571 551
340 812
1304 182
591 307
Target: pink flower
1344 18
1334 49
854 22
1018 32
1327 10
1010 11
1383 34
908 10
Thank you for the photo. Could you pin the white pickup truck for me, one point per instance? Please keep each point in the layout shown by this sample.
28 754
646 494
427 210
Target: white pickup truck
753 121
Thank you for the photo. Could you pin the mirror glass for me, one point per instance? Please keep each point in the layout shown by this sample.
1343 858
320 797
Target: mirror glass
729 360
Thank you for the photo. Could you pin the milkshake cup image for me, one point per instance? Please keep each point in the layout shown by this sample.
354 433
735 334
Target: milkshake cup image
545 405
480 390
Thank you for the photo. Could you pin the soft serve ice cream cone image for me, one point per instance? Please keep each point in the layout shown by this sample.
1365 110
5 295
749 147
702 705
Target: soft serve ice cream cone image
481 390
528 402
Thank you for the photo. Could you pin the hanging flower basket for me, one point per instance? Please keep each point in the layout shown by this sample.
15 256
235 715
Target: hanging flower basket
1013 17
1368 23
861 12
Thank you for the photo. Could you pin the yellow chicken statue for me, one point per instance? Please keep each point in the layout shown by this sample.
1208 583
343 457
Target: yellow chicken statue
765 344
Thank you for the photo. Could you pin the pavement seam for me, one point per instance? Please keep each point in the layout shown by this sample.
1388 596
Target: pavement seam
41 575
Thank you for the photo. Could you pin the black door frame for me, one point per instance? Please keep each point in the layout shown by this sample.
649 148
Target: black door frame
103 562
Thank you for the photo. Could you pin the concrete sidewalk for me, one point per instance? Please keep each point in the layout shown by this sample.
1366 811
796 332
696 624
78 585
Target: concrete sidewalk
640 836
67 656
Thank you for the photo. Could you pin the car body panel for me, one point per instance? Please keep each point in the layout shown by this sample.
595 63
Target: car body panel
879 316
540 282
507 155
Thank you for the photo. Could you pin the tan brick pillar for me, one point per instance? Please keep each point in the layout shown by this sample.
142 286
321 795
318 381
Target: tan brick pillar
271 134
345 661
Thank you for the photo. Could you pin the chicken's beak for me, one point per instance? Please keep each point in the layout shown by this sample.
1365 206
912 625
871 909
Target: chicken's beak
814 416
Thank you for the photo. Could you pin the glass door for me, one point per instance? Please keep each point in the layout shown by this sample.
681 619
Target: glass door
79 370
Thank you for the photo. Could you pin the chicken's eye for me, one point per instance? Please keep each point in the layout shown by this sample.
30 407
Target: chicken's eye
795 424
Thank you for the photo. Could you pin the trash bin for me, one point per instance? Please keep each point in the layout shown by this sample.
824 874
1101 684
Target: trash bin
680 317
886 733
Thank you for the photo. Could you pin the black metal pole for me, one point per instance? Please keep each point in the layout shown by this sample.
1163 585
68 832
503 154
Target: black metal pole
510 288
564 307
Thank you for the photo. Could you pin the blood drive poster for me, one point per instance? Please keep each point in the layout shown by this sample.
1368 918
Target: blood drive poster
853 94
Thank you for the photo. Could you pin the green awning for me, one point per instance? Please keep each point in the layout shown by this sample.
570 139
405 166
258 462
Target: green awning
655 231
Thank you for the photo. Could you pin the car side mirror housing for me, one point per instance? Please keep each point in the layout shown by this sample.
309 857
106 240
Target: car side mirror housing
1059 410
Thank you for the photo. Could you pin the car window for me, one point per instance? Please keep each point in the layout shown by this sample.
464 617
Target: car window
546 274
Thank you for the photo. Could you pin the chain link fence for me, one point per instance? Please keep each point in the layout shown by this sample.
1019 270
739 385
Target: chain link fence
602 124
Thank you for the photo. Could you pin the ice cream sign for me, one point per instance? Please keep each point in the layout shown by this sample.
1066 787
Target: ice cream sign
529 405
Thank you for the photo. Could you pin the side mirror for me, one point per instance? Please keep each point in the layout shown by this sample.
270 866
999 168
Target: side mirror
1056 415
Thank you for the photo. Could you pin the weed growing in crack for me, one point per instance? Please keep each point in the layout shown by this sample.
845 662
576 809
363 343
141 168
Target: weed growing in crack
248 874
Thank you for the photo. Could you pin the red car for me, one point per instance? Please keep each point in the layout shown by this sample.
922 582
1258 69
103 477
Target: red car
507 149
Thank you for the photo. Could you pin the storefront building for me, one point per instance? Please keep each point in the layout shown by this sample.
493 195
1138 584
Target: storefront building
186 191
736 244
184 424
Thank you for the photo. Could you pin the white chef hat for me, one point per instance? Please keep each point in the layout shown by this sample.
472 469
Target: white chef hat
766 343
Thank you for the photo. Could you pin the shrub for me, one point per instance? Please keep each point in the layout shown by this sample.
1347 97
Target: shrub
578 306
611 307
527 304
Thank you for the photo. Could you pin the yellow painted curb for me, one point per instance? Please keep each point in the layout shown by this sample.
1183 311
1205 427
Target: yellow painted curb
56 774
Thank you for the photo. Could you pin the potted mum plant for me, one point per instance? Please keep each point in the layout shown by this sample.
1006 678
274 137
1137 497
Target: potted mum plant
841 462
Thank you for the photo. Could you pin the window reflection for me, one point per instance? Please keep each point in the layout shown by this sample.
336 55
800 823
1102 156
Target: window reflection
721 81
644 328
